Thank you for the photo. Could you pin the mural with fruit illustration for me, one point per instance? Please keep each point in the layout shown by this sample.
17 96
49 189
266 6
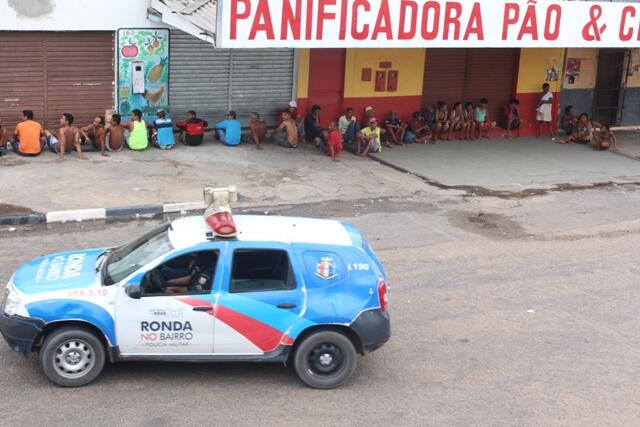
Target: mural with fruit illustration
147 50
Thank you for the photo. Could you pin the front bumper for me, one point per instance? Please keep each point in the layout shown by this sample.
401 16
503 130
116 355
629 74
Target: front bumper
374 329
20 332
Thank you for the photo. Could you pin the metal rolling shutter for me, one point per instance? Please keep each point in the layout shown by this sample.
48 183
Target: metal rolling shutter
261 81
214 81
444 76
21 77
81 84
199 77
470 74
54 73
491 75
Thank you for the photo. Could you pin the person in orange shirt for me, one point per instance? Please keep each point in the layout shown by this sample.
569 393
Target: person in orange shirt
28 138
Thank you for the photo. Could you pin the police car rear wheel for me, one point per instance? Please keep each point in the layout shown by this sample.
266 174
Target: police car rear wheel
325 360
72 357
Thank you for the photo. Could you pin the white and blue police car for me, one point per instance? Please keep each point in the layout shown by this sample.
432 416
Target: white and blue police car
307 292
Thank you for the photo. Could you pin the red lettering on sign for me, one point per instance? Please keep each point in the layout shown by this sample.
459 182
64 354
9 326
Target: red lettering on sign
530 24
404 5
452 13
262 21
343 20
235 16
626 32
355 33
511 15
430 7
383 23
291 20
309 28
550 34
323 16
475 23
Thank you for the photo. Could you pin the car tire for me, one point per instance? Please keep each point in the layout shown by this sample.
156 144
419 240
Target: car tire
325 360
72 356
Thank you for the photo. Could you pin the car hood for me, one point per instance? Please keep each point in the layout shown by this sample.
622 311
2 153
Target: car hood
56 272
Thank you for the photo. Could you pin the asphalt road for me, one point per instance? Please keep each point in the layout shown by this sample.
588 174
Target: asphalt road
505 312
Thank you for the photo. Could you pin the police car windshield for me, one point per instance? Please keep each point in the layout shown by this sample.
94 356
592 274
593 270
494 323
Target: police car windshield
131 256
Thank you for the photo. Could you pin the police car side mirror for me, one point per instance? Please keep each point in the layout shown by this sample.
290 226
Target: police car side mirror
133 291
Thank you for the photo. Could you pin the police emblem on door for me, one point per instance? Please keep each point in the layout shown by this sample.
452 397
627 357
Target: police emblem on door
326 269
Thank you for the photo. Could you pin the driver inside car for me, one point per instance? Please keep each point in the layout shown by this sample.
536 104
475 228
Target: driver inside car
187 273
177 280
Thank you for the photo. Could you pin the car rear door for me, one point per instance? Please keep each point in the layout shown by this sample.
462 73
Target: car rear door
262 297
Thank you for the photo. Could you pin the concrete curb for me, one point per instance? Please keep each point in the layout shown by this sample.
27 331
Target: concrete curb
80 215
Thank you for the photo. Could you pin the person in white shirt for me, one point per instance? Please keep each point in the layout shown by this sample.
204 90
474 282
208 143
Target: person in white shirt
348 126
544 115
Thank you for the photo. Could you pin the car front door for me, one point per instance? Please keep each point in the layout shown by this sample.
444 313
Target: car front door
261 299
166 324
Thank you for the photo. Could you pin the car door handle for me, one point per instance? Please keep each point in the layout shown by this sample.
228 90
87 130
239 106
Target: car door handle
287 306
203 308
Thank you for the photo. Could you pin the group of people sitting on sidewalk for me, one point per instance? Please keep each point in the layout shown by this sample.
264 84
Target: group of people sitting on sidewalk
434 123
583 130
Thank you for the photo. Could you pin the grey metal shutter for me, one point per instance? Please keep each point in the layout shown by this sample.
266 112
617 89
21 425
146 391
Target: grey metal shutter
198 77
214 81
262 81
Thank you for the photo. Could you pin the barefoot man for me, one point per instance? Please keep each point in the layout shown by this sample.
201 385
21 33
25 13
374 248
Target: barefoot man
68 138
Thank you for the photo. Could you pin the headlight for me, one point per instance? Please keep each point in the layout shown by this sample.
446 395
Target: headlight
12 302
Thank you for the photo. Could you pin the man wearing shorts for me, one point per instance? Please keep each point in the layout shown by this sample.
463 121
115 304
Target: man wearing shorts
92 136
115 137
28 137
544 110
66 140
287 133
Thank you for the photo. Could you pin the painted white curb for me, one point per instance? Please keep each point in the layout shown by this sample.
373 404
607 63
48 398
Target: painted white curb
76 215
183 207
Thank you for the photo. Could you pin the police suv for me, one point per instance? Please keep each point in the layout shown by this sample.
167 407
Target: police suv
307 292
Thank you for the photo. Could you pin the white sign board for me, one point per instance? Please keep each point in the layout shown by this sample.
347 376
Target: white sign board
427 23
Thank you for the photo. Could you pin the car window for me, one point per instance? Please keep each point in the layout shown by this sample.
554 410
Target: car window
261 270
188 274
129 258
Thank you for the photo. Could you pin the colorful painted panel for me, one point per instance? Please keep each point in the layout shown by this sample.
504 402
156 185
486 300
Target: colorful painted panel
143 70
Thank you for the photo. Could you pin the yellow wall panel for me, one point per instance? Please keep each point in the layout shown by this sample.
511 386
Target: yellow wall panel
538 66
585 78
408 62
303 73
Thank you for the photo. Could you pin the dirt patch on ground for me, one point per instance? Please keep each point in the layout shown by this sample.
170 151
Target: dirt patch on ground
6 209
489 225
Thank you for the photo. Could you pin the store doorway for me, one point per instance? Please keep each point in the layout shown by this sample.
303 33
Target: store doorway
326 82
606 104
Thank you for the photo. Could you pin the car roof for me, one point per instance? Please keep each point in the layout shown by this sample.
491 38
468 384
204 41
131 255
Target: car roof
190 231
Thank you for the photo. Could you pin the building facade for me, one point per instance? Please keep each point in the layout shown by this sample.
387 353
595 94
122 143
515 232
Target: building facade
57 59
604 83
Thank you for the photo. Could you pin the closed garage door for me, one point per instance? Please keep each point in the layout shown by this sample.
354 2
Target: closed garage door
470 74
54 73
213 81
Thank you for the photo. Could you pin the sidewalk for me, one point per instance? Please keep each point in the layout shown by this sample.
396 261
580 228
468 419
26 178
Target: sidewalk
512 165
629 144
272 176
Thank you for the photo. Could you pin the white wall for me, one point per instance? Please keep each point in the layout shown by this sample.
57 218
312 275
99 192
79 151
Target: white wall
74 15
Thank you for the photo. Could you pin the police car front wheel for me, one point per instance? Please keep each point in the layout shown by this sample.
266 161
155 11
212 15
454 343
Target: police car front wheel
72 356
325 360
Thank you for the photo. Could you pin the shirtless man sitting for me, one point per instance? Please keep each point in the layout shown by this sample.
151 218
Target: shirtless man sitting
92 136
66 140
258 130
114 134
286 135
